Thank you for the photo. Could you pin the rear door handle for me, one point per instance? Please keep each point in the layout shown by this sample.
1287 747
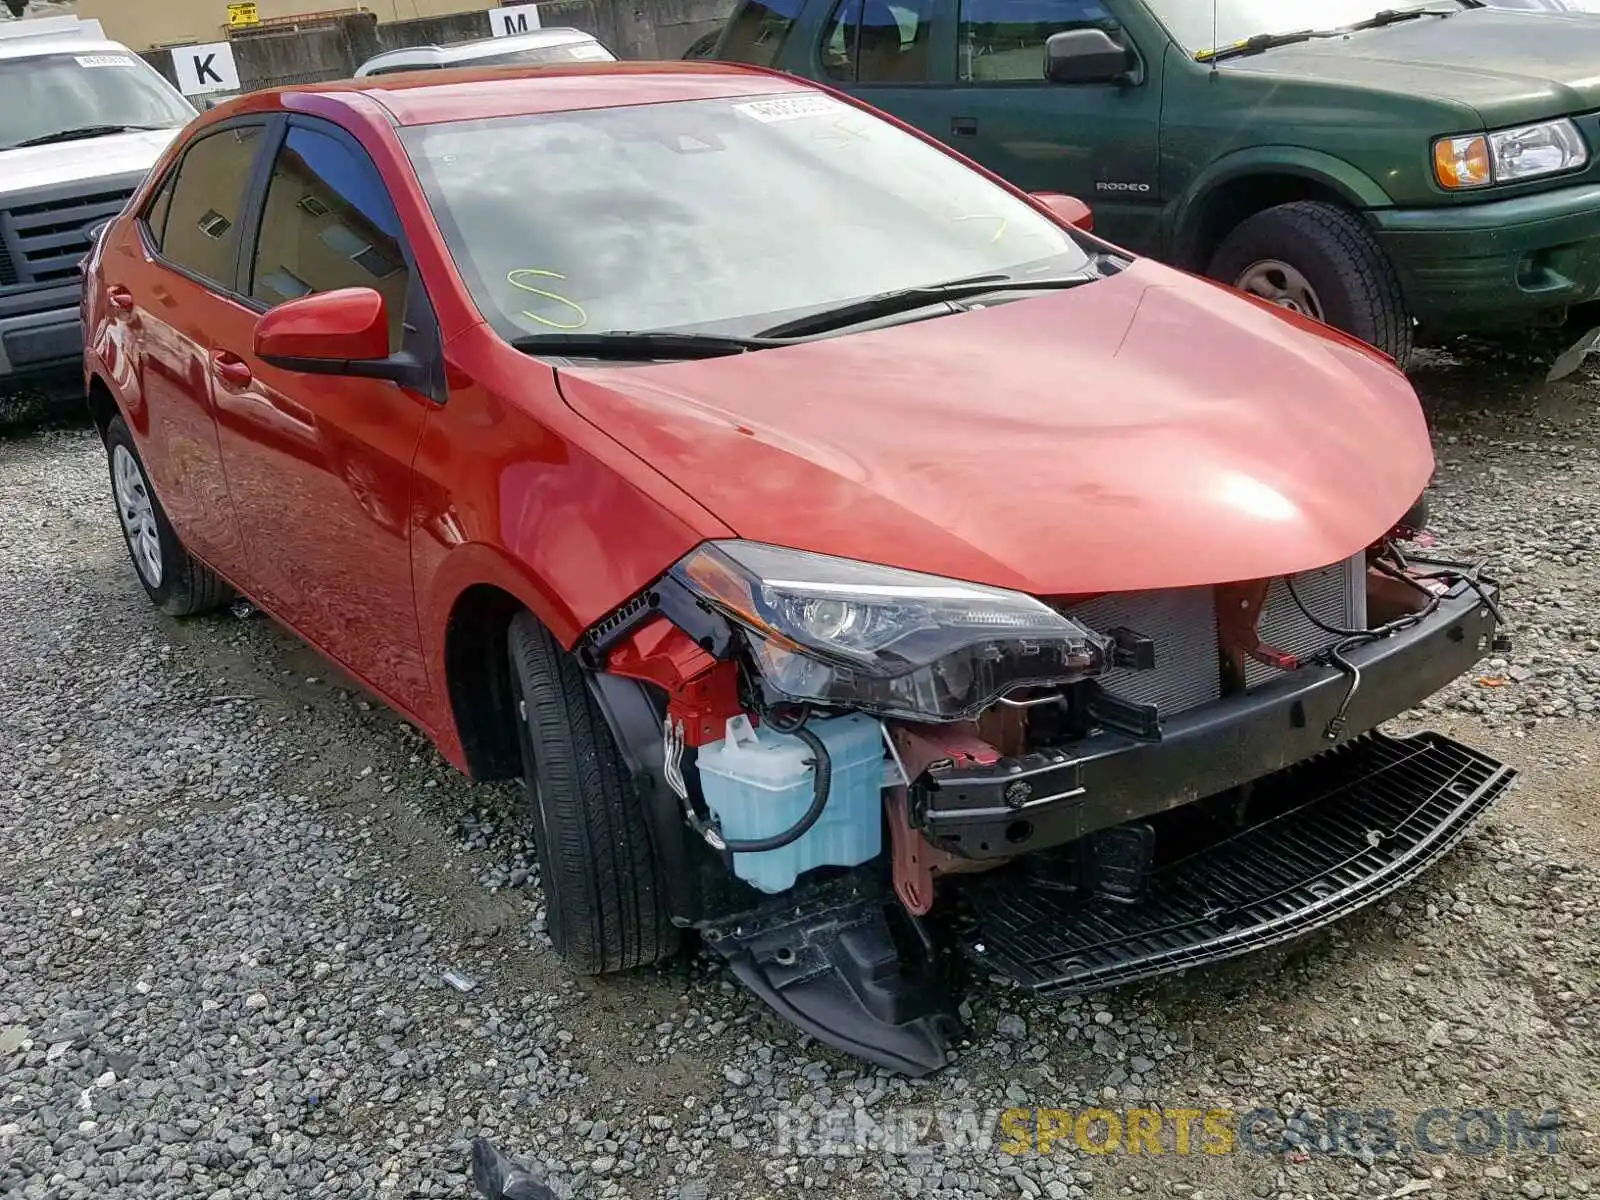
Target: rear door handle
964 126
231 367
120 297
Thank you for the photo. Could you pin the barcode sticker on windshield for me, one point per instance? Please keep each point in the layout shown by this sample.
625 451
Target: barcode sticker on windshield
104 60
789 108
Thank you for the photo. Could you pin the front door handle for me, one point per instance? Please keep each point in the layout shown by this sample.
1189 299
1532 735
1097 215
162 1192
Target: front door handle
964 126
119 297
231 367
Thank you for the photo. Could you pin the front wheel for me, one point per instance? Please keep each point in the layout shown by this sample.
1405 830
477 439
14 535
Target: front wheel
1319 260
603 887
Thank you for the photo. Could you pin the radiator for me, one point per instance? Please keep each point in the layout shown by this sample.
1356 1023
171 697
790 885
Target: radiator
1183 624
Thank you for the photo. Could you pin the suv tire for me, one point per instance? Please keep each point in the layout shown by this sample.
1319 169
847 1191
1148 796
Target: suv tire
177 582
1319 259
603 889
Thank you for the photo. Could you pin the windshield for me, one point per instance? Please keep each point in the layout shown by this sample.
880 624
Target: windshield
712 215
49 93
1190 21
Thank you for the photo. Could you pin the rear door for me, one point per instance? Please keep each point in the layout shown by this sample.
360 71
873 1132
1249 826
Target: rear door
319 466
897 55
172 290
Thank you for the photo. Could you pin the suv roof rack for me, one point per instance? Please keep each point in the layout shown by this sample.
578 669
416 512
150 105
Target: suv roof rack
88 28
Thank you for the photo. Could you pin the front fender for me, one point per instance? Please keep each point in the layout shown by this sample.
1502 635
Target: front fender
1354 186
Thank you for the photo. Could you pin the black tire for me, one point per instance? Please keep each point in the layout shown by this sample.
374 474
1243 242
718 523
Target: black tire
179 584
1339 257
603 888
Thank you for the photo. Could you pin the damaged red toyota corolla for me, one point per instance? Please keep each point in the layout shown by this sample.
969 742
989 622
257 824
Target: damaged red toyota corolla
867 569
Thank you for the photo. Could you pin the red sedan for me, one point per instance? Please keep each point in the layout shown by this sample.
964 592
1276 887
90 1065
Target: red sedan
866 567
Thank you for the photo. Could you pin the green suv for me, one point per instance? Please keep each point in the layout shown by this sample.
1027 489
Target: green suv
1393 170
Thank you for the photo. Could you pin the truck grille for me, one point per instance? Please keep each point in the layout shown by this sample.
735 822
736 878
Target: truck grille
43 242
1183 624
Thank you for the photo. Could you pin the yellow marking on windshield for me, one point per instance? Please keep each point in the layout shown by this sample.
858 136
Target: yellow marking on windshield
583 317
999 232
843 131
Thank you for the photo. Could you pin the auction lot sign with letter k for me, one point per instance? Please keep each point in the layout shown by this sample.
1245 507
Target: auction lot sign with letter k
204 69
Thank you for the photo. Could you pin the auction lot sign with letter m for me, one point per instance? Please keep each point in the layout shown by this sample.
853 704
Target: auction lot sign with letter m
513 19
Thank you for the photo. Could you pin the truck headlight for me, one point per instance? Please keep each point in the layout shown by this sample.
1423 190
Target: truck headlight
897 643
1509 155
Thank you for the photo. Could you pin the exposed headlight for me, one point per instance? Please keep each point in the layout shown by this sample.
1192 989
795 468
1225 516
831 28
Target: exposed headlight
897 643
1509 155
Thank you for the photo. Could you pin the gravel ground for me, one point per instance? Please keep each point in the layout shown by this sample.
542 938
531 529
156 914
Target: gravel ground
232 886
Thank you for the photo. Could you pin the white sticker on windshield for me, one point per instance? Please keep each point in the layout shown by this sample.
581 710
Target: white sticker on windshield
789 108
104 60
589 53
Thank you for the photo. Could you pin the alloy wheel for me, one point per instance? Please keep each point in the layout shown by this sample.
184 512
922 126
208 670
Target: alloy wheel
138 514
1278 283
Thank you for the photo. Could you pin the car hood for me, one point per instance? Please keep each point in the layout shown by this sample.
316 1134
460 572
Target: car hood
83 160
1509 66
1148 431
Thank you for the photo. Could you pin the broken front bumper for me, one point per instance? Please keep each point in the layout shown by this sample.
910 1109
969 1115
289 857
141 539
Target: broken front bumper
1021 806
1318 842
1326 827
1323 839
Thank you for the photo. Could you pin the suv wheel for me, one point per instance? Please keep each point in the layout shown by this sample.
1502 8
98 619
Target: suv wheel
1320 260
606 901
176 582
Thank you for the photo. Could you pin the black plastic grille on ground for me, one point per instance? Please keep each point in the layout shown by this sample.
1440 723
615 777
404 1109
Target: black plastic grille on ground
1324 838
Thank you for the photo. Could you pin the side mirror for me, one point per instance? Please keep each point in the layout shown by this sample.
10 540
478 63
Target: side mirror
1068 208
1084 56
326 333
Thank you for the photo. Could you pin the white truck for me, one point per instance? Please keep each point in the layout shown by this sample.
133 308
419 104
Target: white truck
82 119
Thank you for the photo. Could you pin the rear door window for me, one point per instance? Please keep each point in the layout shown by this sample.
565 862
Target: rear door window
155 214
877 41
758 31
200 234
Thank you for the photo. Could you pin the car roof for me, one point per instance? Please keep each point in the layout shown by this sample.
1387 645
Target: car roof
466 51
34 46
474 93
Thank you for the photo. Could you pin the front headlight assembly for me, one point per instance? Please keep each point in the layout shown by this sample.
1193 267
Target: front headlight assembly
896 643
1509 155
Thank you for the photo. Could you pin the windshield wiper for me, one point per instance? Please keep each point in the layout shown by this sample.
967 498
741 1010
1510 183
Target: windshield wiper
887 304
1270 41
1260 42
81 131
1390 16
637 346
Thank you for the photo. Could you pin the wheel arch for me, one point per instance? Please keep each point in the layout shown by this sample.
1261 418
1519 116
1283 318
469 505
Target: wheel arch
102 404
1249 182
477 676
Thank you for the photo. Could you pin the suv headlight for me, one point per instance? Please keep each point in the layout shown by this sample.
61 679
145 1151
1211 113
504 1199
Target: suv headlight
897 643
1509 155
